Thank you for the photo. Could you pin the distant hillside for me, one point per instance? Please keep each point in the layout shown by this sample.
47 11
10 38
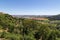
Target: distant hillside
31 16
55 17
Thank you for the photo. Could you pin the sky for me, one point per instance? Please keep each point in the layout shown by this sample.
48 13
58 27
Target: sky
30 7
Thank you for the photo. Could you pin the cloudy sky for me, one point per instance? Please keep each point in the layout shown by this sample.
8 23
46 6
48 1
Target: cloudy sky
30 7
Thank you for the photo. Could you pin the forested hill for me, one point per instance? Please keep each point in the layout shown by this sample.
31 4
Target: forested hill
54 17
12 28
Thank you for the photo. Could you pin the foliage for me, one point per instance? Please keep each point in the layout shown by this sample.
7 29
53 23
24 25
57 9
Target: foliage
12 28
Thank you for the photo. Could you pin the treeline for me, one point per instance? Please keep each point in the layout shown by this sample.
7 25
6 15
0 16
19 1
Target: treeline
12 28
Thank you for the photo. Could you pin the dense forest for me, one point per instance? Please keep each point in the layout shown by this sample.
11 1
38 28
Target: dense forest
12 28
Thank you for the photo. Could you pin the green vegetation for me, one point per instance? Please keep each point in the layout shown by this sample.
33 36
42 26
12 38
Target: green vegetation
12 28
